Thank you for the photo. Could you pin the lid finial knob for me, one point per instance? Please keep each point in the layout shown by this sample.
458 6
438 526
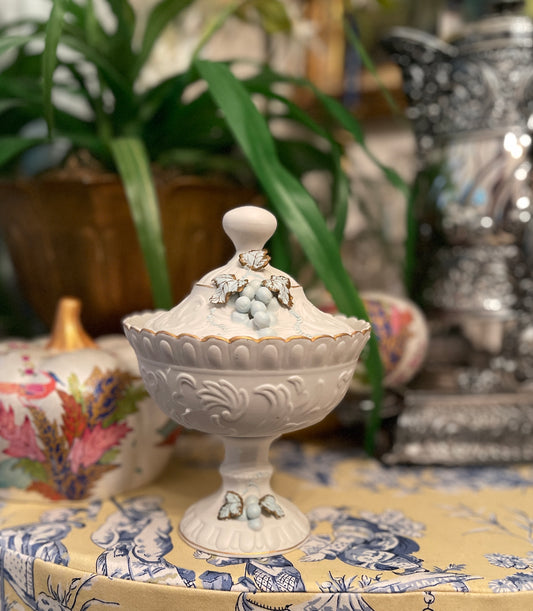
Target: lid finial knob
249 227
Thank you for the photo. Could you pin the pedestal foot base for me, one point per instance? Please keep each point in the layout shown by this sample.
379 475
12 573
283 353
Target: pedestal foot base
242 536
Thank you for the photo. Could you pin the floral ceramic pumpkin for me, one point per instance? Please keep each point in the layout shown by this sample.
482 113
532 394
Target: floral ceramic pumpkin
402 333
75 419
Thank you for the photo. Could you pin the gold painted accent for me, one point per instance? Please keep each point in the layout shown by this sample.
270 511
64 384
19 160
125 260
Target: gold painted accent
255 268
209 286
68 333
235 338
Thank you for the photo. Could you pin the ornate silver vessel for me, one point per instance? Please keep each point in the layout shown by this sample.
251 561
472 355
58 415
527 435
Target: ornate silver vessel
470 103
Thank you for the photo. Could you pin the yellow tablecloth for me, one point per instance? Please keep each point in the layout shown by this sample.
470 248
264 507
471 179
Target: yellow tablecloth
383 539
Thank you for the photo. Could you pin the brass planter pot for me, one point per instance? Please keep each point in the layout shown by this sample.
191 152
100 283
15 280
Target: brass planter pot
70 236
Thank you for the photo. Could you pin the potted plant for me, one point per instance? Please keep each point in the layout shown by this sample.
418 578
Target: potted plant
75 215
124 130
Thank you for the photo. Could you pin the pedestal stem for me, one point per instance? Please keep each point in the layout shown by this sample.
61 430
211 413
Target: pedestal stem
246 466
245 518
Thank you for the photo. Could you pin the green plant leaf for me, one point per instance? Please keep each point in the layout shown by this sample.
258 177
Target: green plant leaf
356 43
264 83
273 15
199 161
280 248
350 123
16 24
343 117
26 67
91 30
54 27
133 166
12 146
160 16
125 18
198 123
216 22
329 159
373 363
287 196
293 204
117 82
120 43
341 193
13 42
6 105
27 92
302 157
166 93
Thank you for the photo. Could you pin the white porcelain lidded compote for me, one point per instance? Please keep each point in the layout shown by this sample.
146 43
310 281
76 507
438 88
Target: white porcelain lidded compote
247 357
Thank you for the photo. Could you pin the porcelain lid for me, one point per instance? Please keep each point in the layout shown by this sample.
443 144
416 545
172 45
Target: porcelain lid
247 297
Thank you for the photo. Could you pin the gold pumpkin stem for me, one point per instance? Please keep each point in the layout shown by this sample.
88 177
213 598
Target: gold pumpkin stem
67 331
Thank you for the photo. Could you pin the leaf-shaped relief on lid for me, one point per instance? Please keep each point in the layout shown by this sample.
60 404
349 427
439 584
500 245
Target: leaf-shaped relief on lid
280 285
255 260
232 507
226 286
271 507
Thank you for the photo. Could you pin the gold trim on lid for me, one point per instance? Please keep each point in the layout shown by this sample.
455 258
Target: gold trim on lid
67 331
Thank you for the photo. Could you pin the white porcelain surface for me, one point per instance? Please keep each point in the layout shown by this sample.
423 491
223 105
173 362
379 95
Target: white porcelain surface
214 307
247 387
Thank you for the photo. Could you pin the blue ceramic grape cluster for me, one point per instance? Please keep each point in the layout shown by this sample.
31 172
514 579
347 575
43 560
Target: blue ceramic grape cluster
257 307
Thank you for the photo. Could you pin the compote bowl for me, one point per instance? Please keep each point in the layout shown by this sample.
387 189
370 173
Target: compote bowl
247 357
